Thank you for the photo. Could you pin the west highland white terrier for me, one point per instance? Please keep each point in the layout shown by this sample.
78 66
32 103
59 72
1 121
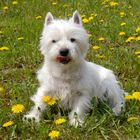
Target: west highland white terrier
67 75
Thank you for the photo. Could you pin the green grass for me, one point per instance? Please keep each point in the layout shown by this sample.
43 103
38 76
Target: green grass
19 65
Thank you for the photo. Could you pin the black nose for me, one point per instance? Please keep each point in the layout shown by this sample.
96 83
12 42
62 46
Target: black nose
64 52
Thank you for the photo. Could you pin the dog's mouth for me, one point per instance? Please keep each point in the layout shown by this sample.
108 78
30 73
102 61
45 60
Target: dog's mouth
63 59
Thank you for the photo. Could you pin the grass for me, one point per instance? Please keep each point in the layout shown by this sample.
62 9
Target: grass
19 65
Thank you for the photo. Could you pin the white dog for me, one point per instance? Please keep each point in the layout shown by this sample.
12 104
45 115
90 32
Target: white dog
66 74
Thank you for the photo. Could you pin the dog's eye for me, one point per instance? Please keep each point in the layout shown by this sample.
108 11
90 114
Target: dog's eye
72 39
53 41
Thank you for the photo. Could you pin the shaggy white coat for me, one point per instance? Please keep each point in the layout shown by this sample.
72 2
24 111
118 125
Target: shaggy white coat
79 80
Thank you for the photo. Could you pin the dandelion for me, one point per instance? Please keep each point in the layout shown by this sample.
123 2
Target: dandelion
69 15
129 97
9 123
123 24
54 134
82 16
38 17
122 14
14 2
101 39
17 108
94 14
49 100
137 52
132 119
4 48
90 18
60 121
20 38
121 33
111 49
136 95
101 20
138 56
129 7
100 56
138 38
2 90
95 47
54 3
112 3
138 29
5 8
129 39
1 32
85 20
90 35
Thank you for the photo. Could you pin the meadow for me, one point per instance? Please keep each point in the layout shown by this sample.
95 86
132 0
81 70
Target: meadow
114 35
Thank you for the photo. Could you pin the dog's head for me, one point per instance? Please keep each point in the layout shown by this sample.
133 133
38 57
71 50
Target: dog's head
64 41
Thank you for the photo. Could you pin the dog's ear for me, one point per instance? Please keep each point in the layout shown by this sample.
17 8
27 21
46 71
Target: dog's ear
76 18
49 18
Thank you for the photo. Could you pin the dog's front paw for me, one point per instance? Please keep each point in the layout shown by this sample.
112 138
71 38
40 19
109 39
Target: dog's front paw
117 109
31 117
76 122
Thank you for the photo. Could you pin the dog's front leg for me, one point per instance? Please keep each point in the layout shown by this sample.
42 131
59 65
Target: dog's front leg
37 110
80 107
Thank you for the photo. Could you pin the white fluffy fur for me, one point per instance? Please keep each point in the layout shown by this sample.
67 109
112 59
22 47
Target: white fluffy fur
76 82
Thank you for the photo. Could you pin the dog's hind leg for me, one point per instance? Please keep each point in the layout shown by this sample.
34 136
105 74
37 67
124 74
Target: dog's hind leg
114 94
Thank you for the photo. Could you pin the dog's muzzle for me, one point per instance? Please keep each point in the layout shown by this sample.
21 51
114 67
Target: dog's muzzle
63 56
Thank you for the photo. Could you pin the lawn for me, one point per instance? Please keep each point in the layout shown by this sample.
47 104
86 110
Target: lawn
114 35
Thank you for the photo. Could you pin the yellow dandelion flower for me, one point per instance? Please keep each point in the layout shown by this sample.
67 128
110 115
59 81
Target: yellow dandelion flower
100 56
5 8
9 123
129 97
113 3
90 18
14 2
122 14
1 32
138 56
46 98
69 15
138 29
101 20
18 108
121 33
94 14
49 100
137 38
65 5
20 38
136 95
129 7
2 90
4 48
95 47
137 52
82 16
54 3
85 20
38 17
54 134
132 118
60 121
123 24
90 35
101 39
129 39
111 49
